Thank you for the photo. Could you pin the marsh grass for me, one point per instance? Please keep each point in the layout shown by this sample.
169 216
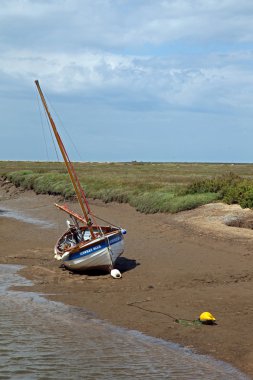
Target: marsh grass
149 187
230 187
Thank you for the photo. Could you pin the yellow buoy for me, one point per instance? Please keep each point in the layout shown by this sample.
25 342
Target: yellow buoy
207 318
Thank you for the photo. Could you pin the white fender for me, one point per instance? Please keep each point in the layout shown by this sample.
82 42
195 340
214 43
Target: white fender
115 273
57 256
63 257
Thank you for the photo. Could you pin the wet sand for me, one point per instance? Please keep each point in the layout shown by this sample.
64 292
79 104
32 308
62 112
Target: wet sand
174 267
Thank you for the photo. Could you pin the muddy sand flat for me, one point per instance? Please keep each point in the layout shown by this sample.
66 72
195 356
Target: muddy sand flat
174 267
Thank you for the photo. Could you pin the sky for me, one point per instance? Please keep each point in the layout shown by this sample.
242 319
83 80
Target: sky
128 80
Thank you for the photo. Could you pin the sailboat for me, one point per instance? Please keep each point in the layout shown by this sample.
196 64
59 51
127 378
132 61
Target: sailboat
86 244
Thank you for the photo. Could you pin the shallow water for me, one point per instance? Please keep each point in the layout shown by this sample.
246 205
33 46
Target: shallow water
15 214
41 339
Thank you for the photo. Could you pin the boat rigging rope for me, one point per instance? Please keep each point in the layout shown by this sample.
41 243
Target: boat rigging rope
69 165
106 221
53 140
64 129
51 133
43 129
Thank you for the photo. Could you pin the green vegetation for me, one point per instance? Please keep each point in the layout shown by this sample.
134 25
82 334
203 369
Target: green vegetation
230 188
149 187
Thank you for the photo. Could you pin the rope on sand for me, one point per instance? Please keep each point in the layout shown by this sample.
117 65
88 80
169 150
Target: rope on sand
184 322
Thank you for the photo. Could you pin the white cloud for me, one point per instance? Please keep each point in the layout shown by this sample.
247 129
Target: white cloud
29 8
108 24
162 59
79 47
209 87
70 71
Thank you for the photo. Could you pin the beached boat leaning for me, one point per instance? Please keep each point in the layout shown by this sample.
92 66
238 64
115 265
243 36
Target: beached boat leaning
86 244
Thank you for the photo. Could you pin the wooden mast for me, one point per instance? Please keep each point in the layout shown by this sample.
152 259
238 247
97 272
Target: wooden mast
77 186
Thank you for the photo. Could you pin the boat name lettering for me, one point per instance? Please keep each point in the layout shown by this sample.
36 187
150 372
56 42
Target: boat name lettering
115 240
90 250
